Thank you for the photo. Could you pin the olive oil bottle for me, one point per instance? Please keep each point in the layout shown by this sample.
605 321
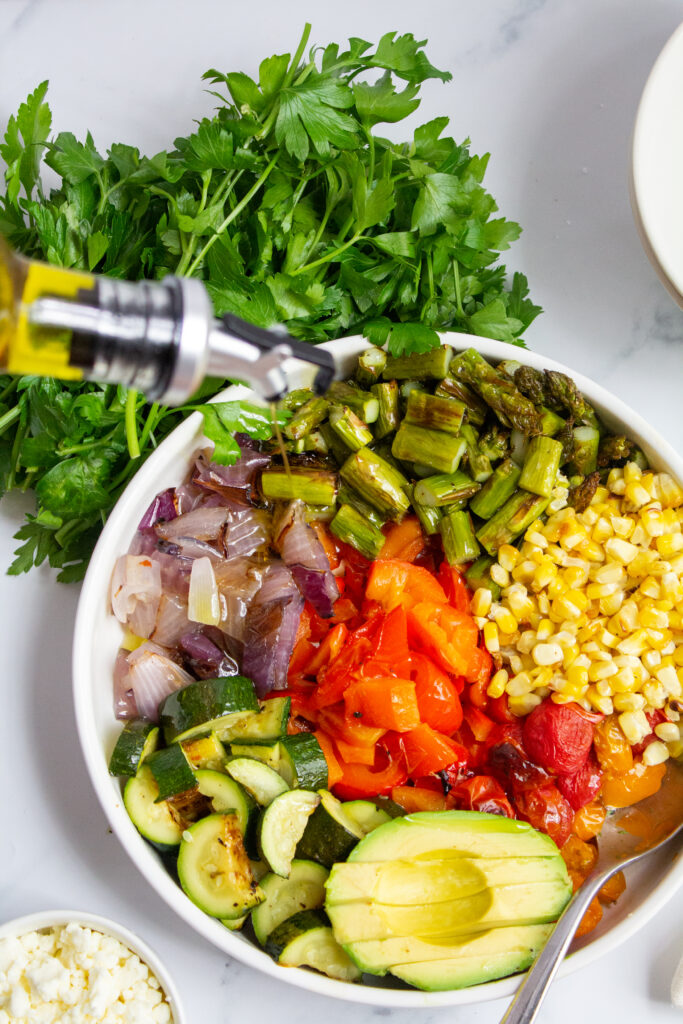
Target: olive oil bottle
159 337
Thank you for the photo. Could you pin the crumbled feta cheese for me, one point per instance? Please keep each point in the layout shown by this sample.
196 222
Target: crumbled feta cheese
75 975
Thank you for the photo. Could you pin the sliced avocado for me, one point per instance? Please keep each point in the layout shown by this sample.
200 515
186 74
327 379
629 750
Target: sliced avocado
461 972
441 834
502 905
418 882
520 942
447 899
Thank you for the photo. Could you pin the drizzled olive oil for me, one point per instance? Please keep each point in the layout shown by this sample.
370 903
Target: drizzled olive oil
277 434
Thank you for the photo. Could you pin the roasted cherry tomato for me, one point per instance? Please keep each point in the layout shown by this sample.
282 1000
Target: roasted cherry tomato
480 793
558 737
581 787
546 809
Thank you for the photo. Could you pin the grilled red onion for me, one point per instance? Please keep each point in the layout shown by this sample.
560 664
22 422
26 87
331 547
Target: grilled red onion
124 698
136 592
238 581
301 550
162 509
320 588
234 482
246 532
152 676
190 547
206 659
202 524
171 622
270 629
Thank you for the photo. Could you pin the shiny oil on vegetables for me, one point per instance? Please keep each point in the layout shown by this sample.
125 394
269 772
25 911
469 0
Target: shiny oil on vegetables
452 591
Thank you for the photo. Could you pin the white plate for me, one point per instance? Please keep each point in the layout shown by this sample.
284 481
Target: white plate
98 635
657 166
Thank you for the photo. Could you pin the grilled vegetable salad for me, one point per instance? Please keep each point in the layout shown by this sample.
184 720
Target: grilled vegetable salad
416 621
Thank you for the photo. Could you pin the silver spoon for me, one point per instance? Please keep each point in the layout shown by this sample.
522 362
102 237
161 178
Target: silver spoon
661 818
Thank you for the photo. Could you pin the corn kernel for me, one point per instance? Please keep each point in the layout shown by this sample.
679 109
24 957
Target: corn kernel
654 693
481 601
516 663
545 629
668 732
526 641
634 726
622 526
520 684
676 749
632 472
524 572
577 676
651 660
636 495
629 702
496 687
521 706
600 702
536 538
621 551
602 670
655 753
504 619
611 572
610 605
604 688
669 544
508 556
543 575
491 638
667 491
547 654
499 575
668 677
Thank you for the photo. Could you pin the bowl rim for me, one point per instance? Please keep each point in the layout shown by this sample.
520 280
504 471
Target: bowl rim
612 409
641 187
42 919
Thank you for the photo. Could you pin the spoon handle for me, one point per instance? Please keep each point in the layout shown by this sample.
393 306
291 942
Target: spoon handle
531 993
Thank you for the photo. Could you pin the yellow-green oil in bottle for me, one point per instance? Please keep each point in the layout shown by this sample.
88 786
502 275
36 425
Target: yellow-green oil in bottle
25 347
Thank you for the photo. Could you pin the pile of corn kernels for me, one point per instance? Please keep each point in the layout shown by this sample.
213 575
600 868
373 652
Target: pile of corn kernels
591 608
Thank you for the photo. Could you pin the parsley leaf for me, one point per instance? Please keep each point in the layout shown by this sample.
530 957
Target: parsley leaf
289 208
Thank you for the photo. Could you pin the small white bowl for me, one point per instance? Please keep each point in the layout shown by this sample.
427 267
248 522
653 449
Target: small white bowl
59 918
657 166
98 636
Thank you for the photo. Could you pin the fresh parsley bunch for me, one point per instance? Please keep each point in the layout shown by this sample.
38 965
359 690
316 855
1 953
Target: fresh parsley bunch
291 208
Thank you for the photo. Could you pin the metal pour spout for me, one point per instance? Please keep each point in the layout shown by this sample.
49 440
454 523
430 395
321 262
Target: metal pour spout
162 339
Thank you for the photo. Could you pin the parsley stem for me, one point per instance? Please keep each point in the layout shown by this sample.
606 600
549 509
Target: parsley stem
296 60
244 201
458 292
150 423
9 417
326 259
131 424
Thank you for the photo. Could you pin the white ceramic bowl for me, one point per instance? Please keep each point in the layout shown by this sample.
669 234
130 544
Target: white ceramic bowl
57 918
657 166
97 639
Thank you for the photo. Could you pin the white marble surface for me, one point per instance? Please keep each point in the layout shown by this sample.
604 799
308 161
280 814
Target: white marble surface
550 88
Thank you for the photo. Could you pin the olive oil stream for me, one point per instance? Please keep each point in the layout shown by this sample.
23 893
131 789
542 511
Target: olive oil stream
278 437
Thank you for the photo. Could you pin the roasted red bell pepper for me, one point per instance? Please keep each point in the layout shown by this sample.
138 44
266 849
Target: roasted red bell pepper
446 635
383 701
437 697
392 582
